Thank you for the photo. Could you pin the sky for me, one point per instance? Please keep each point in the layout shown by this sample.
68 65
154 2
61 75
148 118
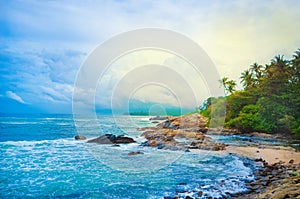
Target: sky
43 45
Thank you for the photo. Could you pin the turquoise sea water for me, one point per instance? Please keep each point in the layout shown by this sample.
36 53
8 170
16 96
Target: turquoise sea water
39 158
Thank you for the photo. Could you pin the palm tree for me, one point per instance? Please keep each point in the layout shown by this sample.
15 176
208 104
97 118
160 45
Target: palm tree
281 65
256 70
278 75
296 66
229 85
246 79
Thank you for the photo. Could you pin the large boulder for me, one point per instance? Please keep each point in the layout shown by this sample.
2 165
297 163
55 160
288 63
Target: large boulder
101 140
111 139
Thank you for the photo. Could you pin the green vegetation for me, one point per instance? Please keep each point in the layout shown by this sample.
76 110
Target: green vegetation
269 101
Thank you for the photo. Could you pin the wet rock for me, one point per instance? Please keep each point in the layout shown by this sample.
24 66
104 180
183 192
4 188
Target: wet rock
135 153
111 139
171 197
122 140
236 194
80 137
159 118
200 193
153 143
101 140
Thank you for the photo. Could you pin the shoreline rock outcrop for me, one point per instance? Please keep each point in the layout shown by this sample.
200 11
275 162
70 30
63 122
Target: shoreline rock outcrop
185 132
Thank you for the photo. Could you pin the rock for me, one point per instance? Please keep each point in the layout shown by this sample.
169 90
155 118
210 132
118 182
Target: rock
153 143
146 129
191 121
80 137
135 153
184 134
111 139
291 161
274 181
181 133
200 193
159 118
123 140
170 197
101 140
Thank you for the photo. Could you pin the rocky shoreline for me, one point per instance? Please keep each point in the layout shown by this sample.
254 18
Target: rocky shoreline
275 179
278 176
178 133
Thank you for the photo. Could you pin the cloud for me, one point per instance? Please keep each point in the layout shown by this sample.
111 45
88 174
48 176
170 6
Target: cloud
236 35
16 97
150 76
43 43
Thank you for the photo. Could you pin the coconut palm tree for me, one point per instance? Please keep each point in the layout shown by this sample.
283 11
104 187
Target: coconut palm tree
229 85
256 70
296 66
246 79
281 65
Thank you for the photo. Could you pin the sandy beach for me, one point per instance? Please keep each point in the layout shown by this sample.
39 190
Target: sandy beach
272 155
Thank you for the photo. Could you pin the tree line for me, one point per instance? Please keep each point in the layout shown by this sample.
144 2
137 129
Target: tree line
269 101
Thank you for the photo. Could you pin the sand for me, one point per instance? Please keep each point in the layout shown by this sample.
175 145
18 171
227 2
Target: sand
270 155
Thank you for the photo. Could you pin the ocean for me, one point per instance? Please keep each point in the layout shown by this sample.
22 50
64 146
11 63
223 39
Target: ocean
40 158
